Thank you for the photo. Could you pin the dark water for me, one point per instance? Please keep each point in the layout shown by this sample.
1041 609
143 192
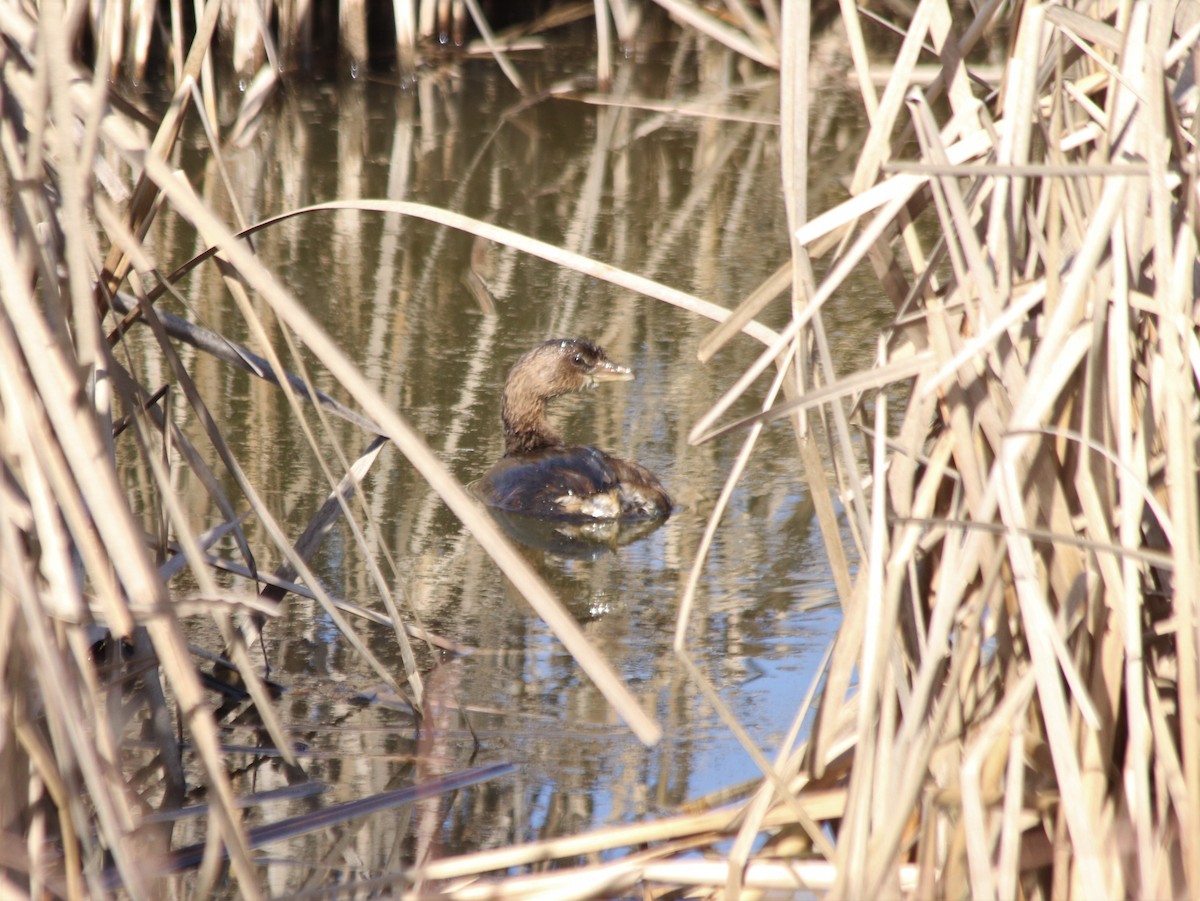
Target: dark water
691 200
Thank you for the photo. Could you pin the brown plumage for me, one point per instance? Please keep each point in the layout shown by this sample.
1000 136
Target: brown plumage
542 476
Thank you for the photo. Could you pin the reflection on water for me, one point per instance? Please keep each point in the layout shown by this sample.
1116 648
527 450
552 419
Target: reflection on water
690 199
585 540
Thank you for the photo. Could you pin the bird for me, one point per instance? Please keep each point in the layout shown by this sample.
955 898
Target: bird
540 474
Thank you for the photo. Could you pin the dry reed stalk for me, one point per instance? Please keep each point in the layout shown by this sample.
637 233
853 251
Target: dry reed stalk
129 37
352 34
1022 634
1024 629
74 553
405 14
1026 592
754 42
534 247
161 191
128 33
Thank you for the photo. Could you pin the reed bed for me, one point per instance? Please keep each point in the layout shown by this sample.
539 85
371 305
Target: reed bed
1010 705
257 42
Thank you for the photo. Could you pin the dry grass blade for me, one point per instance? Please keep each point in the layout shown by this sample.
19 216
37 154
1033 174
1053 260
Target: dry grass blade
259 836
1012 339
733 38
501 58
852 386
1011 706
745 312
542 249
116 265
670 110
303 591
243 358
811 310
406 440
876 149
308 542
318 527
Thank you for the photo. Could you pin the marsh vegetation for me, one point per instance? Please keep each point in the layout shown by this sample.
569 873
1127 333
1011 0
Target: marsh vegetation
965 370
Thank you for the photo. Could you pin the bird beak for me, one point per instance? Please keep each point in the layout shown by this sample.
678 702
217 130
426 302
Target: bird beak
608 371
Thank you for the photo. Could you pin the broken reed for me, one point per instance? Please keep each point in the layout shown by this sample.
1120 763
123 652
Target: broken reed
1023 629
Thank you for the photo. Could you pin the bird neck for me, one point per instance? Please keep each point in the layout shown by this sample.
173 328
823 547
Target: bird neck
526 427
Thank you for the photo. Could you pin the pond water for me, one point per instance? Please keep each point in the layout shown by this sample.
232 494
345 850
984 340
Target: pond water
692 200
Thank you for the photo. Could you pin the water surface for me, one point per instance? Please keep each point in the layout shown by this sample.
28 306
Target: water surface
691 200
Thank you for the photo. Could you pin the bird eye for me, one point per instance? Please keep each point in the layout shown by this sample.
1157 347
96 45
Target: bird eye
577 359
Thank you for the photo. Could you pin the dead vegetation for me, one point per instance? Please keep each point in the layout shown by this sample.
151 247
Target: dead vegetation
1010 708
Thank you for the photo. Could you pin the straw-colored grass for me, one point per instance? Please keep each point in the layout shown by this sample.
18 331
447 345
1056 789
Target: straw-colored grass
1010 707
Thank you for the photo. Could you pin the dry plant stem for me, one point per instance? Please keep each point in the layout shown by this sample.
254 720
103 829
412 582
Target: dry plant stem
975 825
413 447
1175 281
237 355
687 598
859 55
116 265
731 37
787 763
1075 348
685 606
1034 549
67 719
551 253
54 55
603 45
57 383
125 383
187 538
670 111
307 544
1132 507
218 157
794 116
852 386
338 504
236 642
532 246
498 54
58 386
875 150
744 312
901 186
852 848
128 388
812 307
822 806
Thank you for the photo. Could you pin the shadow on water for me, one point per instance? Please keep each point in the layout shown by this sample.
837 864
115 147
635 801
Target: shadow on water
690 199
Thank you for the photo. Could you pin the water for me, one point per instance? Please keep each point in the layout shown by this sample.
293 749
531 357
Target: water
692 201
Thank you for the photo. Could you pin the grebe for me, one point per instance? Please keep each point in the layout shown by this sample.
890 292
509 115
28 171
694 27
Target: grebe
539 475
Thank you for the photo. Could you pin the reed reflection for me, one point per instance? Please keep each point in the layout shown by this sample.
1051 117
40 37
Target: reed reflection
435 318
